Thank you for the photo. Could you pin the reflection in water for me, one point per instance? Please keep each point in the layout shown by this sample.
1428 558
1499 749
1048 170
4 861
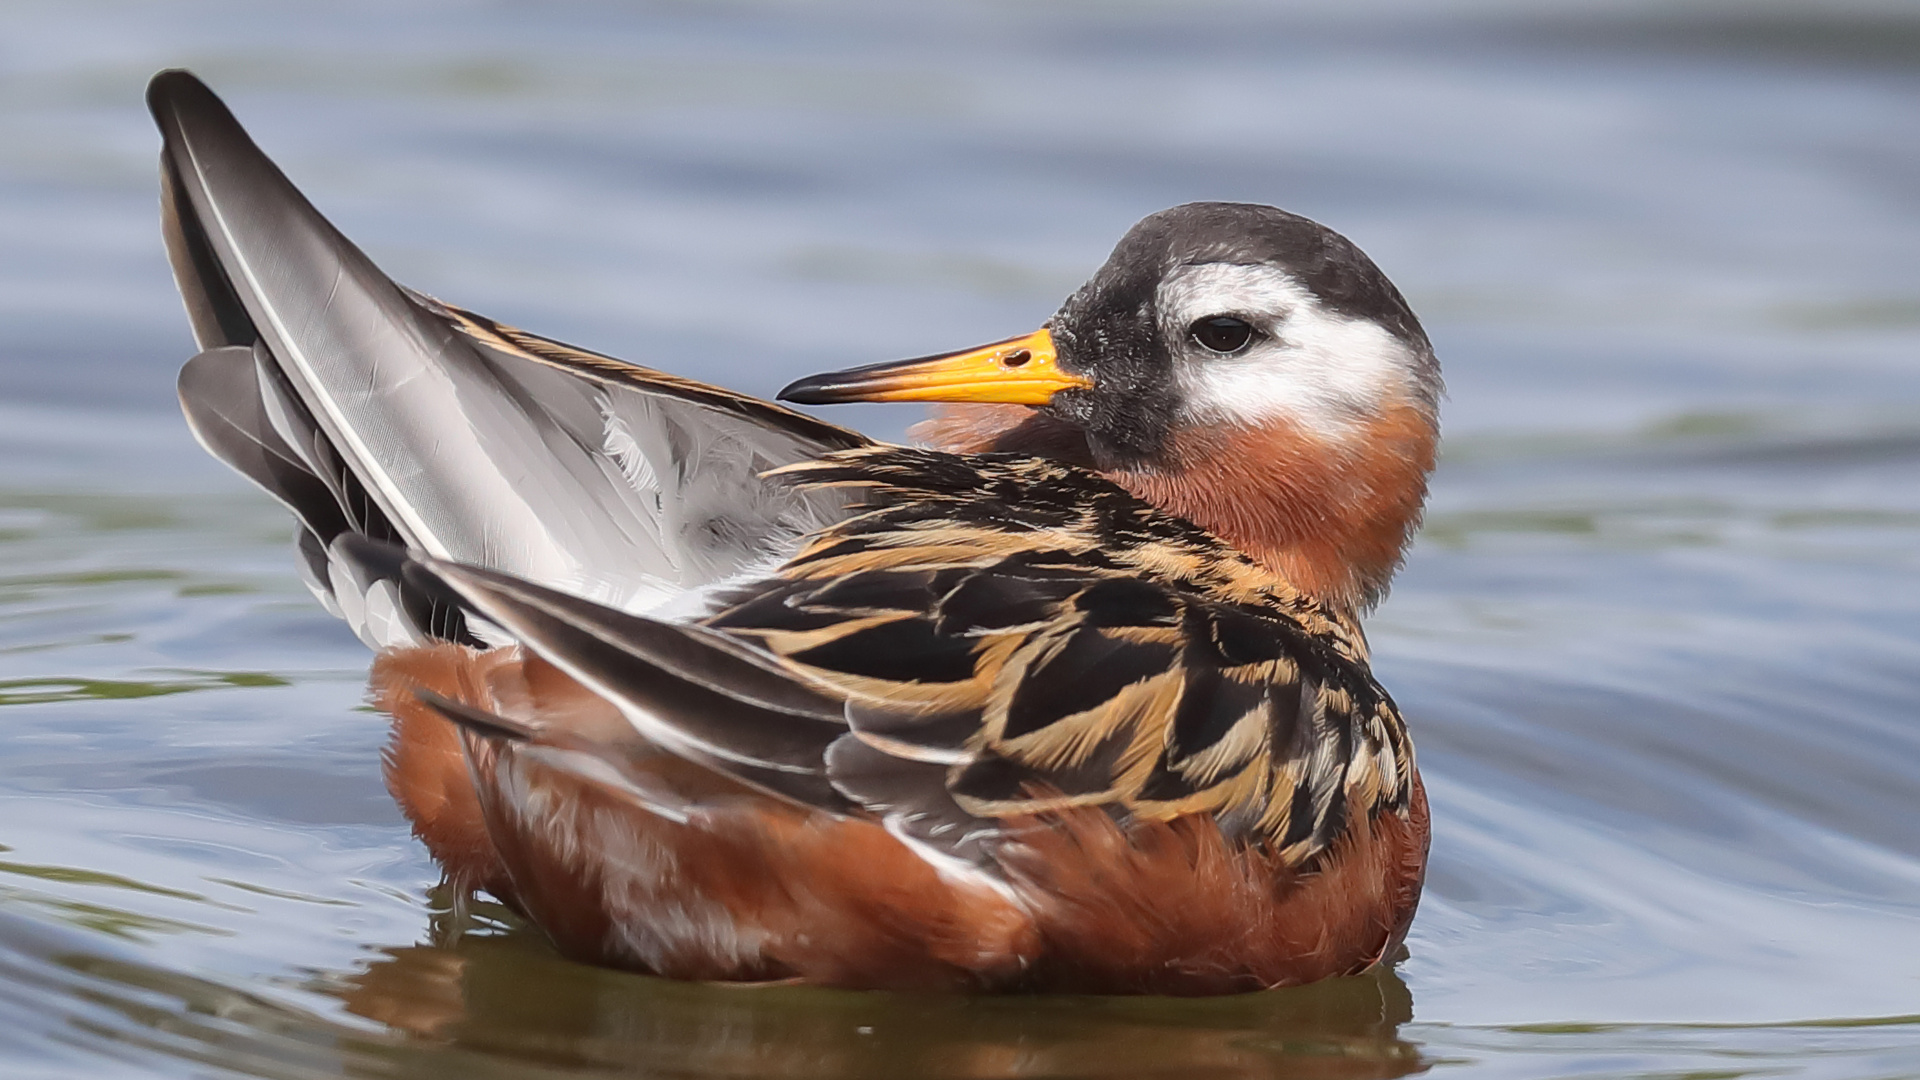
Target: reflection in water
509 997
505 1005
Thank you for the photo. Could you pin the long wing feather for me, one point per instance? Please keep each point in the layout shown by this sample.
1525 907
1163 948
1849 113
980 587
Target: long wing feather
463 438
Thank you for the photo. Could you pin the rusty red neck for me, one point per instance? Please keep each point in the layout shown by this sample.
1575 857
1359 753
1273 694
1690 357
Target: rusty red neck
1333 517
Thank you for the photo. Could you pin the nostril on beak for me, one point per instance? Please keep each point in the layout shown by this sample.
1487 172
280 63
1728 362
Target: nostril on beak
1016 358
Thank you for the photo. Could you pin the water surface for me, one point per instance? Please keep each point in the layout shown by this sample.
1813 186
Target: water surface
1659 643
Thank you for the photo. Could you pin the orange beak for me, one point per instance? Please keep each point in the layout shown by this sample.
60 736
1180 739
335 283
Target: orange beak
1017 371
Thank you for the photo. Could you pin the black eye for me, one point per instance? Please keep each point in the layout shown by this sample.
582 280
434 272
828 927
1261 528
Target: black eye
1222 333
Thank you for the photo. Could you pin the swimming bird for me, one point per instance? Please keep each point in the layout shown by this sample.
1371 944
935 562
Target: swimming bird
1075 697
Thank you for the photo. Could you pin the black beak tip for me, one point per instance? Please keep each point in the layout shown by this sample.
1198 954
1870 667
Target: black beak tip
812 390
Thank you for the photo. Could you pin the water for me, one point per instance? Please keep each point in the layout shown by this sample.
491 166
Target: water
1659 645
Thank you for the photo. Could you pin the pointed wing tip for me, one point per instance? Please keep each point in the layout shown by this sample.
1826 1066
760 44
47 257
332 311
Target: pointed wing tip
195 123
168 82
174 90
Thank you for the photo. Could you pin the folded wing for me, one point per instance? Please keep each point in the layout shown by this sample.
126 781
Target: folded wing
955 665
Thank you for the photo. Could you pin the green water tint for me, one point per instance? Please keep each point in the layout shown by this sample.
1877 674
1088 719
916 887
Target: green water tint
67 875
280 894
42 691
102 918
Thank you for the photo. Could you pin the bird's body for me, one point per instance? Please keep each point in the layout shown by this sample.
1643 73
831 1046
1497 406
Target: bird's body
704 687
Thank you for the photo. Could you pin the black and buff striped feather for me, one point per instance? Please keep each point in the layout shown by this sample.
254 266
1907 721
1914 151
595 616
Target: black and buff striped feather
1052 641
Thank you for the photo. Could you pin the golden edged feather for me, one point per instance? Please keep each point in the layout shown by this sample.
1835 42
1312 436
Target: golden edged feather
1111 654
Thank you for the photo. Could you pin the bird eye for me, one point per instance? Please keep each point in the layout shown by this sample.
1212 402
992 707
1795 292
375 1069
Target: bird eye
1222 333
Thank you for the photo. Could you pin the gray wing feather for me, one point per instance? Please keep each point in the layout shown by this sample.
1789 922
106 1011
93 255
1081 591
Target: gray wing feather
468 448
240 410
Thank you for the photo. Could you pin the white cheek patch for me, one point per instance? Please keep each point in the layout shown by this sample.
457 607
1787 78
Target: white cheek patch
1318 369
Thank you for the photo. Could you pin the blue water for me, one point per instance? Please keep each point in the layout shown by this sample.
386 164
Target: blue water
1659 644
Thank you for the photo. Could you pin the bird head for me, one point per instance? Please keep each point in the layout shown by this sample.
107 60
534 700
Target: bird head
1235 364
